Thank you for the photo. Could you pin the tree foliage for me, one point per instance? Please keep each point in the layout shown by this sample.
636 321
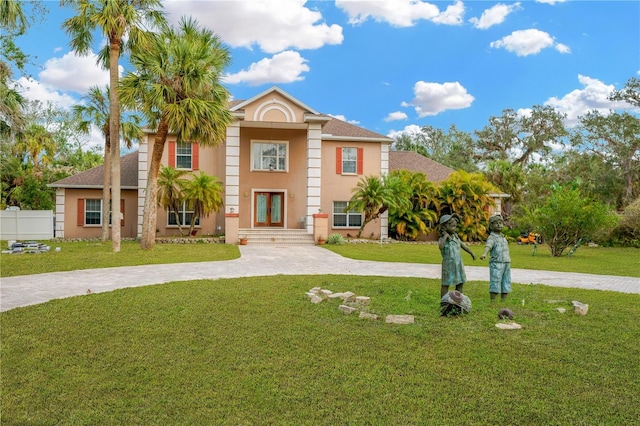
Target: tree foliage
408 221
518 138
204 193
567 218
467 195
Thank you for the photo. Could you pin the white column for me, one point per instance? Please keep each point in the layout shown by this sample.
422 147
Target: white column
60 199
143 174
384 169
314 172
232 169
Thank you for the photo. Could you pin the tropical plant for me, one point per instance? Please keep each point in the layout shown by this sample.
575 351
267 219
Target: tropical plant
421 214
96 112
373 196
127 25
335 239
37 145
467 195
204 193
171 184
176 85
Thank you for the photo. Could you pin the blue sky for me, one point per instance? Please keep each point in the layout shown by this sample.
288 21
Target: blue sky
390 65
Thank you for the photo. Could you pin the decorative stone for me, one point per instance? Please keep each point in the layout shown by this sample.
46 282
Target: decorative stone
508 326
349 296
315 290
363 300
310 295
347 309
316 299
336 295
367 315
562 310
399 319
580 308
326 293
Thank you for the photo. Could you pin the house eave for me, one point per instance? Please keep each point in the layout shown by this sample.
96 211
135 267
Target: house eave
71 186
355 139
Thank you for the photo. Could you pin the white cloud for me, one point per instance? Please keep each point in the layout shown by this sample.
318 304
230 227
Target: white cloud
400 13
562 48
74 73
38 91
396 116
273 25
494 15
593 96
284 67
411 129
528 42
434 98
343 118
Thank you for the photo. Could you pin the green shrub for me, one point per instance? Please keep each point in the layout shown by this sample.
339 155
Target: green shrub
335 239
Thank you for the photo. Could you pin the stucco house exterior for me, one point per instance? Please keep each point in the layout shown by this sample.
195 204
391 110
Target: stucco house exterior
284 166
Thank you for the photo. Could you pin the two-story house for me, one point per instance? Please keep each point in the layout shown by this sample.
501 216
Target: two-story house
284 166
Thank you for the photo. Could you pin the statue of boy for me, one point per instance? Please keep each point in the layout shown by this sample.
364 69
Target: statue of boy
499 261
450 245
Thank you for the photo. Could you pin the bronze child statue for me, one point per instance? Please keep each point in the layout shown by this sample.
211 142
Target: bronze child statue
450 245
499 261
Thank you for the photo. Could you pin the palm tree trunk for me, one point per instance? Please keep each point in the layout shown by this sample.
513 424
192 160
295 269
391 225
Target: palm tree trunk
149 217
114 136
106 190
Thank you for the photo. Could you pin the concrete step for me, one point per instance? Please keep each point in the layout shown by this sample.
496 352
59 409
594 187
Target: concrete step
281 237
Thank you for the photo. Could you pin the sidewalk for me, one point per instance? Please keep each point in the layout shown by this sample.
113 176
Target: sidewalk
261 260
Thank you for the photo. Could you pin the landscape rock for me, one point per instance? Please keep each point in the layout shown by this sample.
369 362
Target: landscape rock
367 315
363 300
347 309
580 308
399 319
316 299
508 326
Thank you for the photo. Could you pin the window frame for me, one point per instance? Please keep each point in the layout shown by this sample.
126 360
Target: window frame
184 213
347 216
92 211
183 146
276 169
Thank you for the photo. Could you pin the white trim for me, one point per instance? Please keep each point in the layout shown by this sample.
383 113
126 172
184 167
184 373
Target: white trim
274 104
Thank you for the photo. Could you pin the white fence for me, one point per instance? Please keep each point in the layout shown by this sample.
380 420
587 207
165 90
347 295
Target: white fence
26 225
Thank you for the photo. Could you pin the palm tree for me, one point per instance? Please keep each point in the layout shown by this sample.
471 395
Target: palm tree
177 87
373 196
97 112
467 195
422 214
204 193
118 20
171 183
36 144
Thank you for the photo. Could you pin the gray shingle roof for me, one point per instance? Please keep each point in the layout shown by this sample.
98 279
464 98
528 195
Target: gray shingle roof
415 162
92 178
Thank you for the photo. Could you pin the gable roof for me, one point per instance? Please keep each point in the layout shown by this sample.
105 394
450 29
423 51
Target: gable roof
238 105
415 162
93 178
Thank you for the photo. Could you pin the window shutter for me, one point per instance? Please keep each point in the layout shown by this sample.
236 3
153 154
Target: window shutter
195 156
81 212
122 211
359 164
172 154
339 160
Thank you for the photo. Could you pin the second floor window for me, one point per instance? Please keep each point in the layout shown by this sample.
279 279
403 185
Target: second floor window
349 160
269 156
183 155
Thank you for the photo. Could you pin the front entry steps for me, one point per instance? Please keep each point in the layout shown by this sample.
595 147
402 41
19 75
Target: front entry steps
276 237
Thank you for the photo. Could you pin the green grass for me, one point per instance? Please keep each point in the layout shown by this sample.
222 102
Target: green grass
90 254
589 260
255 351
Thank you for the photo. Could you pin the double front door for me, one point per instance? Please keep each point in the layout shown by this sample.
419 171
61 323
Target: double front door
268 209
